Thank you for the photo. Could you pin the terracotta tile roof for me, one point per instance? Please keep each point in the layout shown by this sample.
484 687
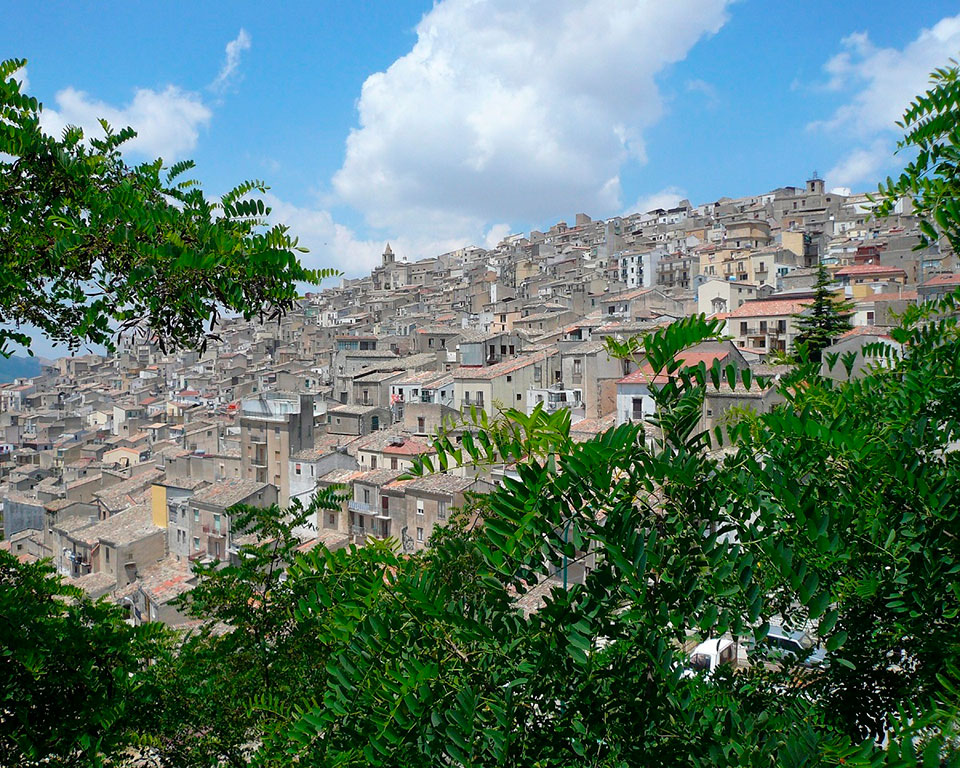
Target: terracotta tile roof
339 476
629 295
900 295
866 330
226 493
500 369
409 447
124 528
869 269
769 307
688 359
953 279
163 581
437 482
376 476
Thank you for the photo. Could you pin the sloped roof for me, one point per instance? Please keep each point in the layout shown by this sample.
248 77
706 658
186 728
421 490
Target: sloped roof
688 359
769 307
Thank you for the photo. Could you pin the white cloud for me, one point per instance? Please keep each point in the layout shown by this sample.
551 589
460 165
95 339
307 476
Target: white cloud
495 235
665 198
886 79
880 83
231 61
711 98
24 80
167 122
333 245
863 165
507 111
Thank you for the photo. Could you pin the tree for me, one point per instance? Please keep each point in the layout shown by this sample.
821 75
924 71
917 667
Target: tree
69 672
931 182
824 319
91 246
831 511
214 694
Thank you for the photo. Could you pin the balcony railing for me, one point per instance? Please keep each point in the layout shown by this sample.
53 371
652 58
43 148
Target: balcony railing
359 506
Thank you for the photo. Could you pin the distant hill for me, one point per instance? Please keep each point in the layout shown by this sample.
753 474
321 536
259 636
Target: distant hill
14 367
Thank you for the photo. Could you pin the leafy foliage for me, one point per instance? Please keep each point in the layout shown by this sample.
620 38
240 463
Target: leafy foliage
823 320
932 180
830 513
91 247
68 681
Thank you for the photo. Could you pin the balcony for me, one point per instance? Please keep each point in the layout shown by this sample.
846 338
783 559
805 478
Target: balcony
360 507
379 530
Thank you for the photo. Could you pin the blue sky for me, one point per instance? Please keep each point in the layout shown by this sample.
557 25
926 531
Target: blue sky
439 125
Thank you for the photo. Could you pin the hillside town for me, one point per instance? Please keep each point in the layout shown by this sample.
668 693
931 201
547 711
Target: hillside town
122 469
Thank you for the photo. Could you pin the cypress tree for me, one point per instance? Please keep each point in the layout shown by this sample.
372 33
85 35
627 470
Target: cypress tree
823 320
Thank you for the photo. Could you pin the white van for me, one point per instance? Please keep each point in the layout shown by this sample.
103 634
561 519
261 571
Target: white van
713 652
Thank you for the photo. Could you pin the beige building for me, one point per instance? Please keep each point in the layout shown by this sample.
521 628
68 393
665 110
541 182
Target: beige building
766 325
273 427
503 385
717 296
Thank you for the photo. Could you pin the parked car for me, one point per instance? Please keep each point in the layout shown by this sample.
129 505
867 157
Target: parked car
780 643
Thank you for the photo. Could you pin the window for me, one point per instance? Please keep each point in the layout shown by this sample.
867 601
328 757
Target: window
429 342
366 496
331 519
393 463
276 431
196 544
419 534
196 515
743 329
442 510
106 553
577 367
419 506
297 469
373 462
763 326
216 523
509 378
421 424
519 396
637 409
479 397
781 326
